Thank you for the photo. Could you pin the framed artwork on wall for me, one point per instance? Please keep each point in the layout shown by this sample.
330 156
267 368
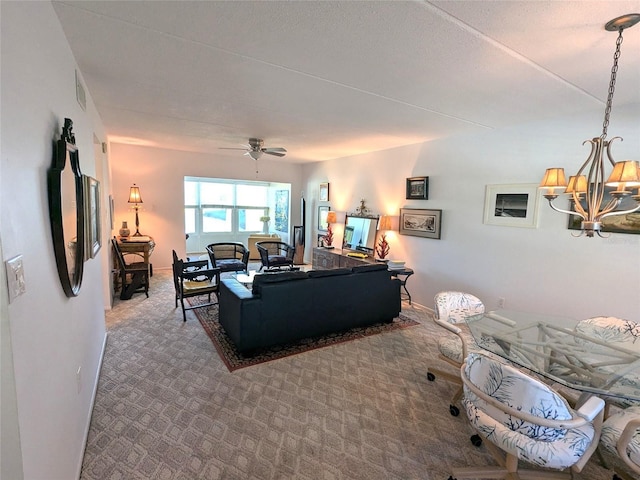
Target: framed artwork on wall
93 231
324 192
418 188
282 211
420 222
513 205
322 218
628 223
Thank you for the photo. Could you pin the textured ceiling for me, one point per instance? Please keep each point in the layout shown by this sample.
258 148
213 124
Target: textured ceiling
331 79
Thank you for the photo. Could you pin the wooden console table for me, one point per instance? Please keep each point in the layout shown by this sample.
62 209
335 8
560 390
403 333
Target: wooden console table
327 259
324 259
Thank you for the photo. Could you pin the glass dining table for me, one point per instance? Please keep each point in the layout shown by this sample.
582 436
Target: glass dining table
551 347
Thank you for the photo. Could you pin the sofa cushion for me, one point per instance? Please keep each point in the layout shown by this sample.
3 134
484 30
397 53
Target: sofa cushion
329 273
371 267
275 277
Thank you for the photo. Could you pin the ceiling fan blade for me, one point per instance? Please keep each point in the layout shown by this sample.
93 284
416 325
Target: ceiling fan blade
270 151
277 149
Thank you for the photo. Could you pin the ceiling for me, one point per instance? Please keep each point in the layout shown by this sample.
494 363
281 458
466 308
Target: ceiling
336 78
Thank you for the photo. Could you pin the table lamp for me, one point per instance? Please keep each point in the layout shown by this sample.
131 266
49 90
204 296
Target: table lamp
136 199
328 238
383 247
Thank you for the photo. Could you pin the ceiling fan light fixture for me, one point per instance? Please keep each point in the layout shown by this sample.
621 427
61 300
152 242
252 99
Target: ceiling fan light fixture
255 154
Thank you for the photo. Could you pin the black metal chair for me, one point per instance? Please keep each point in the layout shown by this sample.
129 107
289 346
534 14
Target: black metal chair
229 256
276 255
192 279
134 277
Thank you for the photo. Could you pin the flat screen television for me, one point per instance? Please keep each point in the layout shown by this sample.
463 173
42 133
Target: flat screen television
360 234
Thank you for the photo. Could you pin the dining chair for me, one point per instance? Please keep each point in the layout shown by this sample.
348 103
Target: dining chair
451 309
192 279
624 334
620 443
134 276
524 419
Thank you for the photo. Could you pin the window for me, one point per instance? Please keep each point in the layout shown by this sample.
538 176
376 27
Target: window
226 207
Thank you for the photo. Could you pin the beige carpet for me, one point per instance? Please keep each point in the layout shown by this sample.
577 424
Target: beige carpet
168 408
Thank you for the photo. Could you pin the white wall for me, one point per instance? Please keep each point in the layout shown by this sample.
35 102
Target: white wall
160 175
51 335
544 269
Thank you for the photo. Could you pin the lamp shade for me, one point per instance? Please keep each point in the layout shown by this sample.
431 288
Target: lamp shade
332 217
577 184
554 178
134 194
385 223
625 173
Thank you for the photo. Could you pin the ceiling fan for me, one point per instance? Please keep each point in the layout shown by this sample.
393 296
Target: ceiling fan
255 149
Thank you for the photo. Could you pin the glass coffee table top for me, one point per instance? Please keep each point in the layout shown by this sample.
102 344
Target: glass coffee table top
246 278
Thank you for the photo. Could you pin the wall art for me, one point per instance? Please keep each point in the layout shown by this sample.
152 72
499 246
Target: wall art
420 222
513 205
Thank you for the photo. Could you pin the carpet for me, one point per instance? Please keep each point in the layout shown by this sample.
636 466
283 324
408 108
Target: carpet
234 360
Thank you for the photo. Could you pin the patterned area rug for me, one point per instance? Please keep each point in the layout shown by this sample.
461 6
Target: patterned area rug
234 360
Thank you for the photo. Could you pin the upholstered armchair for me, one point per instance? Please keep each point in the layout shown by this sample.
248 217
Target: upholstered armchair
524 419
451 309
620 442
276 255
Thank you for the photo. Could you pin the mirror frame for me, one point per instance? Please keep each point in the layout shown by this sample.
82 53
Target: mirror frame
65 149
368 251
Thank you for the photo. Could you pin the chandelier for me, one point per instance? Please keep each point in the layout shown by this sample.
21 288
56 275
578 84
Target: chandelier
590 178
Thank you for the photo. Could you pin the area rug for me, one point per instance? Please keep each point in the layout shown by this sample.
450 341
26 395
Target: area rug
234 360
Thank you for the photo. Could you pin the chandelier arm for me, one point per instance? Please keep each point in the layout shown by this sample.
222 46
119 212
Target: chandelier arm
621 212
608 143
577 213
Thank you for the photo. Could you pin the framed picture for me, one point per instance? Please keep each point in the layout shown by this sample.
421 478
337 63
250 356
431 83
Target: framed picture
627 223
322 218
512 205
111 211
324 192
420 222
418 188
93 231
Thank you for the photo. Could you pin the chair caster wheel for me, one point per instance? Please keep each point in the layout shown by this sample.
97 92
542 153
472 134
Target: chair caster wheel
476 440
431 377
453 410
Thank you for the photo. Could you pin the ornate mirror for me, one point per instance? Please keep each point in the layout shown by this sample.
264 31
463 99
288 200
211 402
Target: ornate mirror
66 210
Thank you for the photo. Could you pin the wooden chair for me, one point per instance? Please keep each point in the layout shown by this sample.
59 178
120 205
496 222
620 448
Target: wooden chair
451 309
134 277
276 255
192 279
524 419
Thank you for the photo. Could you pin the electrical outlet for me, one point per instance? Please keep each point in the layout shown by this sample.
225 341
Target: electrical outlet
501 302
15 277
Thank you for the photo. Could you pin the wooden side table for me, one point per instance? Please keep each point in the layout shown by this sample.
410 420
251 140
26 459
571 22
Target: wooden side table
141 246
403 275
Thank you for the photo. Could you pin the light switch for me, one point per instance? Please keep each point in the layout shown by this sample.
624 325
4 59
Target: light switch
15 277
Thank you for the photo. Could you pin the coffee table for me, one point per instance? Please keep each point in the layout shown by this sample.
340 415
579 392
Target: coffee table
246 279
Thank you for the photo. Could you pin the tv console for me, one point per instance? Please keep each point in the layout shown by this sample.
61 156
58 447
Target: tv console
327 259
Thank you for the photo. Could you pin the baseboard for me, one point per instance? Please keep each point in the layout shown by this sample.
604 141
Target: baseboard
93 402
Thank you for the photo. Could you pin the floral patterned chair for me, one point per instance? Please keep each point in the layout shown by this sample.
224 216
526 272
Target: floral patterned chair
525 419
620 442
451 309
